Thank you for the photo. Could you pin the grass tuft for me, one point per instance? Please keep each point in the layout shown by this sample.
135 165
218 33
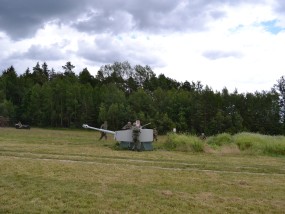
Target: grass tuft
184 143
248 143
260 144
220 139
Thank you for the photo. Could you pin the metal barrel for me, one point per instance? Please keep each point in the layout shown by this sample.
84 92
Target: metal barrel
97 129
145 125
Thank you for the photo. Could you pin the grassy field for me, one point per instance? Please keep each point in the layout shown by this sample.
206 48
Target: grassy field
70 171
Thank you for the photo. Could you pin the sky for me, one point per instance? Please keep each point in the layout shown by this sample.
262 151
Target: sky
233 44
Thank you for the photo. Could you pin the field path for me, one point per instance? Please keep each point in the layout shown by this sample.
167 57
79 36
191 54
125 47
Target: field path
156 164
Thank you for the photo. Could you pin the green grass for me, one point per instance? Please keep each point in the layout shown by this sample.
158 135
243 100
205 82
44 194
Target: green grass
186 143
220 140
246 143
261 144
62 171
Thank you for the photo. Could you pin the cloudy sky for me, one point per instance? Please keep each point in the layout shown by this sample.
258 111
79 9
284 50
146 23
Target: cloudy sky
237 44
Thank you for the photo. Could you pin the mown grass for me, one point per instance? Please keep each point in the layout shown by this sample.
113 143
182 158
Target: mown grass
62 171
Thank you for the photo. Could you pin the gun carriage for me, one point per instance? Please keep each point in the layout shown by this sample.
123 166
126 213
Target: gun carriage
125 137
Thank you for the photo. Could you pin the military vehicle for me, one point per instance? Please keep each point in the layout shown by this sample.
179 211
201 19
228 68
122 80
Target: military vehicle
19 126
125 137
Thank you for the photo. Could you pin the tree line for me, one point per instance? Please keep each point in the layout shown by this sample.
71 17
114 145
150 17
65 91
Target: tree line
120 93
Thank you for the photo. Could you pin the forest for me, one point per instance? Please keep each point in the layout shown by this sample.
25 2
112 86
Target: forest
120 92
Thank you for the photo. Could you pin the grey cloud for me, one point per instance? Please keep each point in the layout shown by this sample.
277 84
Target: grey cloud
103 21
158 16
213 55
280 7
105 51
102 51
217 14
21 19
40 53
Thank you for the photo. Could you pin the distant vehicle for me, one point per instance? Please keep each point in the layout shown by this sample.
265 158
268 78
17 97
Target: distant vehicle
124 137
18 126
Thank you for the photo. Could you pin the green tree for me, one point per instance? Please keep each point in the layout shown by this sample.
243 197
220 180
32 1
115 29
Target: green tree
87 111
48 116
103 113
7 109
10 86
143 77
163 123
167 83
86 78
140 101
280 88
115 116
69 73
40 75
35 105
71 104
111 94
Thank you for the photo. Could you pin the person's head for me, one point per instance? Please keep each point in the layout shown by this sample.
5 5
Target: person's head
129 123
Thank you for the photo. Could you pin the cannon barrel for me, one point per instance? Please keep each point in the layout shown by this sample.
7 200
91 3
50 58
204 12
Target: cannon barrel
125 137
97 129
145 125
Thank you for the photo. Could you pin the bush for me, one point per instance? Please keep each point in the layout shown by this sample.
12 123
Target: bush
274 145
251 143
220 139
180 142
248 141
261 144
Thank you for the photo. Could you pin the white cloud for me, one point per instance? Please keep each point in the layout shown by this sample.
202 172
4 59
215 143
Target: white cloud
220 43
248 58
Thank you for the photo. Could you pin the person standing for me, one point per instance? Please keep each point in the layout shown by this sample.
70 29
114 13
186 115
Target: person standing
104 134
136 130
127 126
155 133
203 136
19 124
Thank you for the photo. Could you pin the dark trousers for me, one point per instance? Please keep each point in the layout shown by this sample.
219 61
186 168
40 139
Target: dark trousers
137 145
103 134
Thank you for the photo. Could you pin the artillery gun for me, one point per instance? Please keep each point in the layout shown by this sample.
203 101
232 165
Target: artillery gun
125 139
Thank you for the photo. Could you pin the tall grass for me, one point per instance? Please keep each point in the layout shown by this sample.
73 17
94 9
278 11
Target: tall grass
184 143
250 143
260 144
220 140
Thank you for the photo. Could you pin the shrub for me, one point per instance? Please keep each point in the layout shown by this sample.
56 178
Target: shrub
220 139
275 145
261 144
246 141
180 142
